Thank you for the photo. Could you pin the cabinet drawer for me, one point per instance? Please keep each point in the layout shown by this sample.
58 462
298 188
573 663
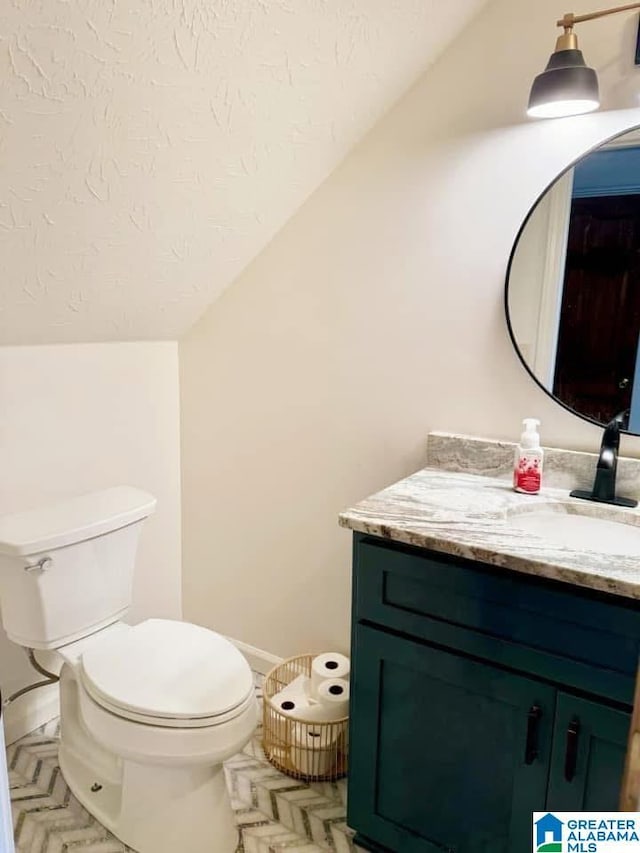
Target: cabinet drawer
412 590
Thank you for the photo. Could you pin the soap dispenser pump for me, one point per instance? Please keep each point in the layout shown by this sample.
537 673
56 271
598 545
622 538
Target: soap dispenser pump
529 457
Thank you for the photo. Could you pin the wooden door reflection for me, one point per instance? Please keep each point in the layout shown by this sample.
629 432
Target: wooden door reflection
600 312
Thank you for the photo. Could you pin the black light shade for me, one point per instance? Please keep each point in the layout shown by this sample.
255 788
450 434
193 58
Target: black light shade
566 87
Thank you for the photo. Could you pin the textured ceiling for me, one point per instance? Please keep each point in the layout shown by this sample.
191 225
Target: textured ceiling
149 149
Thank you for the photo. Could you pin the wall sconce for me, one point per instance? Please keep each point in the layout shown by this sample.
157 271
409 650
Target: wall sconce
567 87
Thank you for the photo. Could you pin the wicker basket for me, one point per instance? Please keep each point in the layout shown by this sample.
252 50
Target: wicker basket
304 749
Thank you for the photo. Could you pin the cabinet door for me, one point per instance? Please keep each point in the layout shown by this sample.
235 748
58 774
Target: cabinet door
589 746
447 753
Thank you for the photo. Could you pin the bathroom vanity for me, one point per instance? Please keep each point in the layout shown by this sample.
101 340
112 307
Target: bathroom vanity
493 670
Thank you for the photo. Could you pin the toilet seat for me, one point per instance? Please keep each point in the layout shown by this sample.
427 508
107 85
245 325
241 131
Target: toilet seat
168 673
169 722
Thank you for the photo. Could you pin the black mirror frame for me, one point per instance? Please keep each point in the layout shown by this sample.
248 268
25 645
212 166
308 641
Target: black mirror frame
510 263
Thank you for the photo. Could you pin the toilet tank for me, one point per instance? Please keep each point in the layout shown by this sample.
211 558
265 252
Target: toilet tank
66 570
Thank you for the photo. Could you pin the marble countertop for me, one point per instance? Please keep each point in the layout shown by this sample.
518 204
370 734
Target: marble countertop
475 516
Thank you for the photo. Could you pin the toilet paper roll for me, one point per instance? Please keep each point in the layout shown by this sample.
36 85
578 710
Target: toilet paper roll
308 736
280 754
313 762
332 703
290 704
300 686
328 665
313 751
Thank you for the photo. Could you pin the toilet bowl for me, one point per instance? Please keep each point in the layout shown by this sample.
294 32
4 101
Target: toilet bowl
148 712
148 715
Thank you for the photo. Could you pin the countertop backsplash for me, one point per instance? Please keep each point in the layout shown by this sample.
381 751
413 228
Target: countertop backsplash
563 469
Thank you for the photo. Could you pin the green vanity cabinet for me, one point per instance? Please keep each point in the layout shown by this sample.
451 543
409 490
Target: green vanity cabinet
438 748
600 735
478 697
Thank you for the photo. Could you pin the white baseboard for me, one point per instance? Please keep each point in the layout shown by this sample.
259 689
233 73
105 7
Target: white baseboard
30 712
259 660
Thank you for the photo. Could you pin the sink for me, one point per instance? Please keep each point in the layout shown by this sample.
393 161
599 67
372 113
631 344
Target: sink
580 532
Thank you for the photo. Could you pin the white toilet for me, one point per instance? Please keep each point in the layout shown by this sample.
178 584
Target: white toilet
148 712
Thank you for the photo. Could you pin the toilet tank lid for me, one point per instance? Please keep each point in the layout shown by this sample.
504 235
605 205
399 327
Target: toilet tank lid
74 520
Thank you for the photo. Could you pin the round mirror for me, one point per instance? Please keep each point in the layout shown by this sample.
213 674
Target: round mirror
573 286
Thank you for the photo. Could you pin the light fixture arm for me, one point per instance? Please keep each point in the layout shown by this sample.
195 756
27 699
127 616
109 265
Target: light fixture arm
570 19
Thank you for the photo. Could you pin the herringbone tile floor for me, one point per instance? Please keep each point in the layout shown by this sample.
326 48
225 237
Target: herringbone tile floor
273 811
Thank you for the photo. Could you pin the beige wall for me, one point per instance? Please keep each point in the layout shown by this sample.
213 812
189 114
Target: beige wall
373 317
83 417
149 149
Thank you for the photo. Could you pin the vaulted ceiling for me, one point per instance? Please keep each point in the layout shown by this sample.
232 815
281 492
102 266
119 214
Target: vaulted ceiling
149 149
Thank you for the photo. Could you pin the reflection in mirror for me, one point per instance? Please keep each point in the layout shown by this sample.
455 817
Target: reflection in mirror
573 285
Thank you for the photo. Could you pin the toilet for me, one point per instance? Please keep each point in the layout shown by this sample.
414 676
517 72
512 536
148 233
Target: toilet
148 712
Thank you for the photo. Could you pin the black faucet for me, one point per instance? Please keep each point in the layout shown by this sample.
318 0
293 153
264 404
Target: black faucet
604 485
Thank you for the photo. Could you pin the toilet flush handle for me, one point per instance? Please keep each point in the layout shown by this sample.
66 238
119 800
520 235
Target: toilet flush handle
41 566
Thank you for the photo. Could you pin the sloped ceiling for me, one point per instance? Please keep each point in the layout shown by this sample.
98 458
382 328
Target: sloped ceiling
149 149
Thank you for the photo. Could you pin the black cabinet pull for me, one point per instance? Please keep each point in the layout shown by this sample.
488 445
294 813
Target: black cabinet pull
533 722
571 755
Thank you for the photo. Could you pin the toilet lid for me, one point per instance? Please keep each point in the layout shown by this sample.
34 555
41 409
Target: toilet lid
162 668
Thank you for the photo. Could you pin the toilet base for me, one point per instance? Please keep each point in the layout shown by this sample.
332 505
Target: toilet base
158 789
156 809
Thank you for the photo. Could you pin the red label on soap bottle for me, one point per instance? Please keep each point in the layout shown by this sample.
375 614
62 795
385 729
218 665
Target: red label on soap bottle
527 475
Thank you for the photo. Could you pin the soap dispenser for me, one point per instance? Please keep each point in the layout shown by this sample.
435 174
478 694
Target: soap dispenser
527 468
